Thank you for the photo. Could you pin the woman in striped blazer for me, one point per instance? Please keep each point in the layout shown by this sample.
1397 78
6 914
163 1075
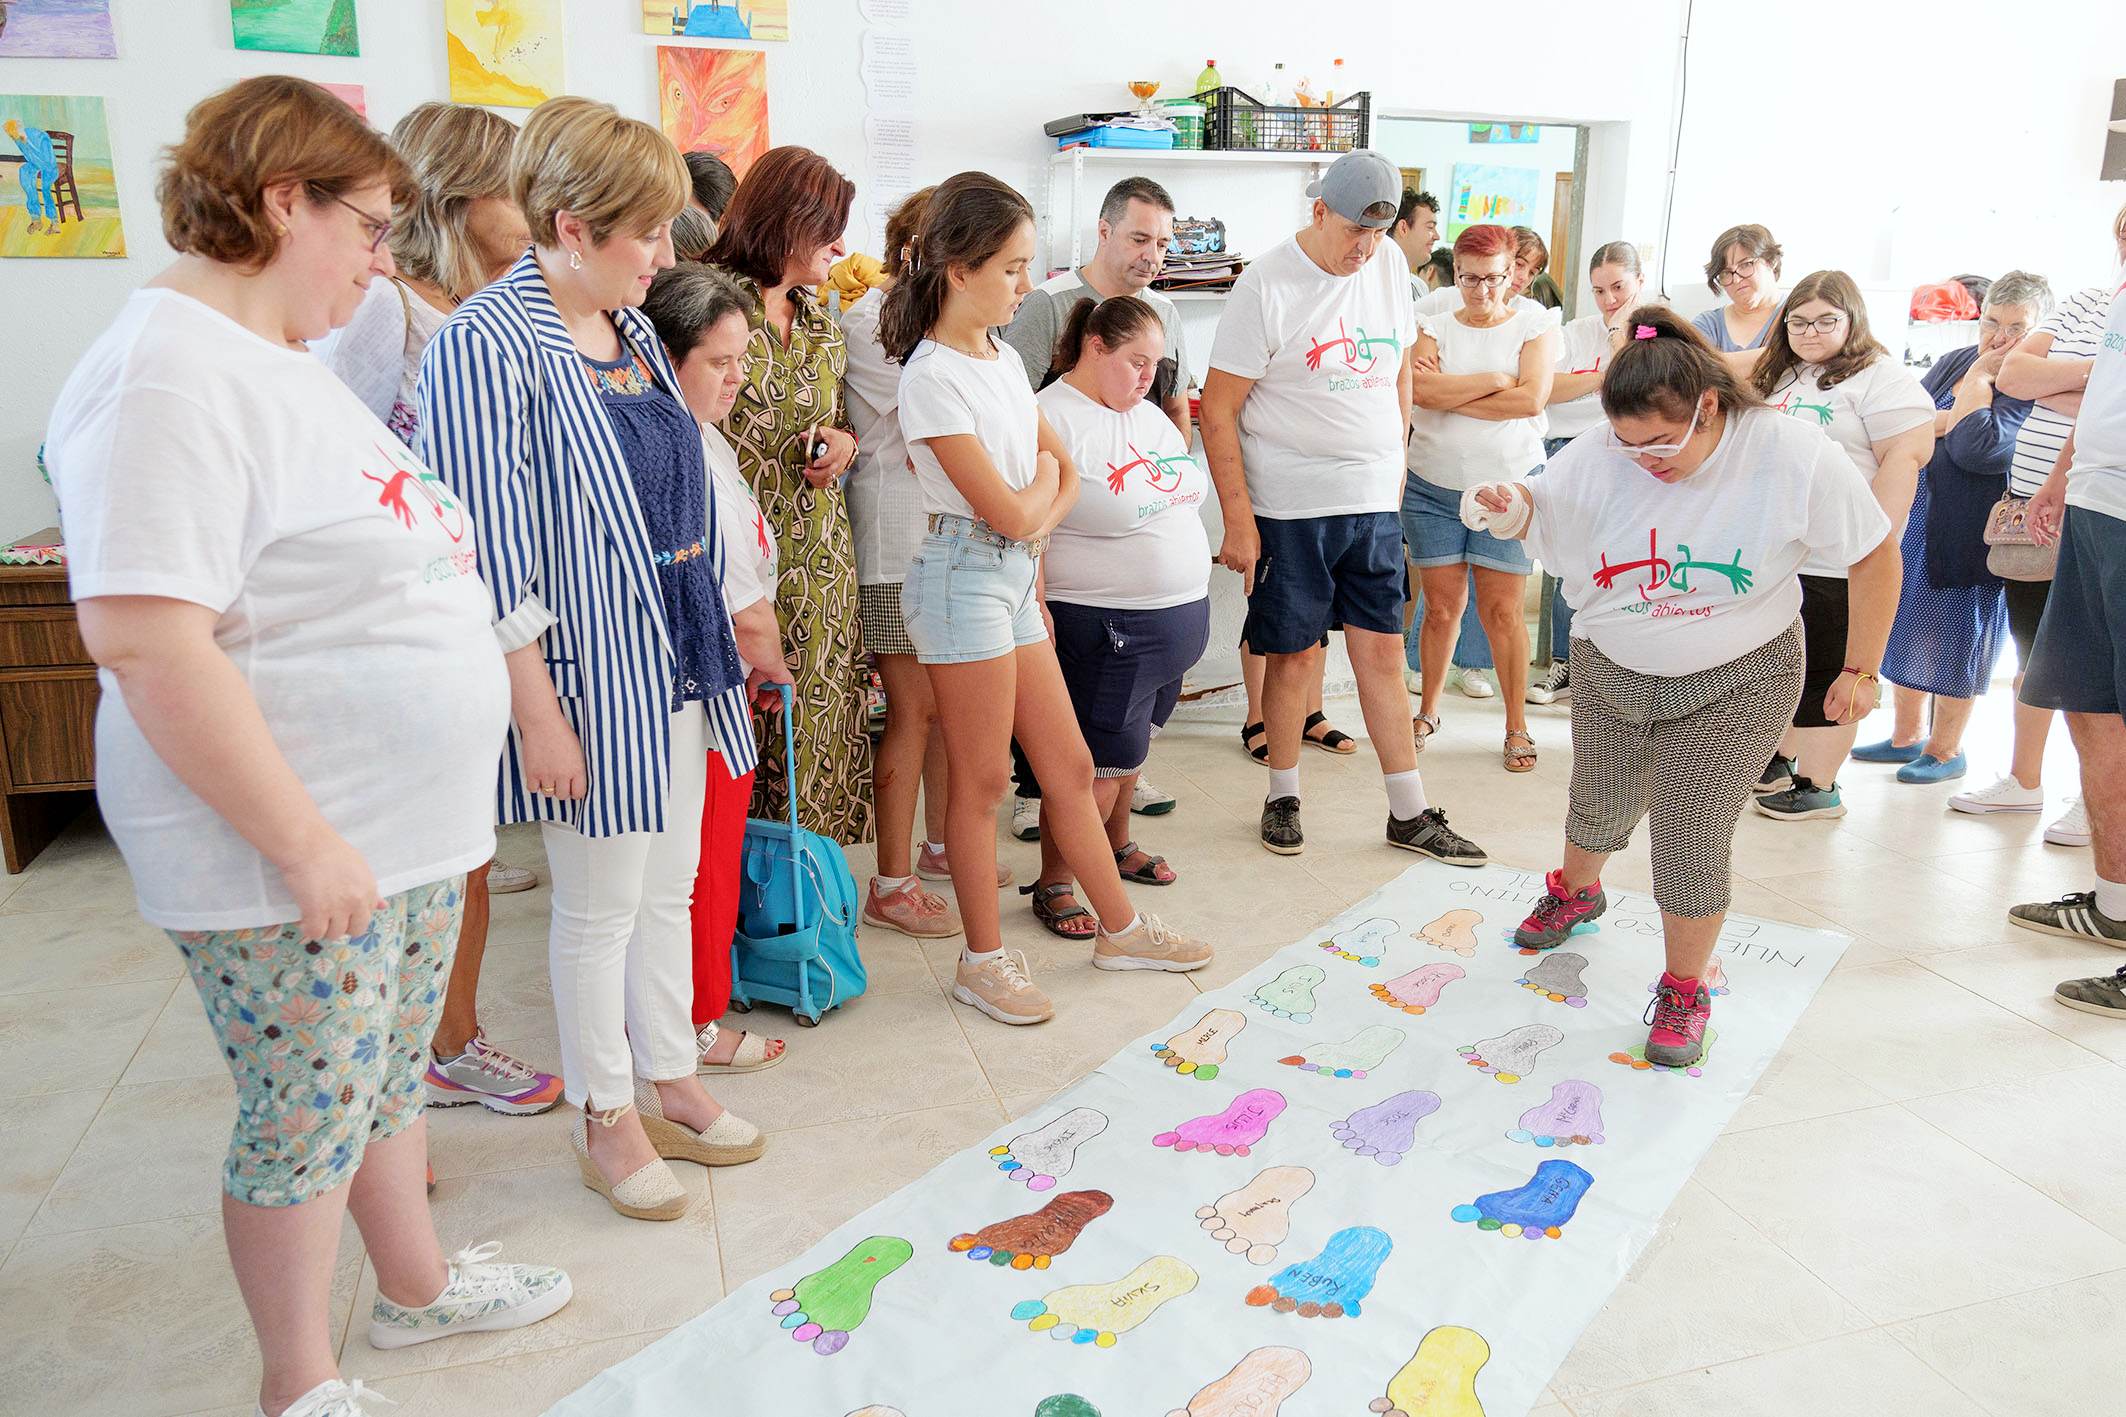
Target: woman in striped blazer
549 407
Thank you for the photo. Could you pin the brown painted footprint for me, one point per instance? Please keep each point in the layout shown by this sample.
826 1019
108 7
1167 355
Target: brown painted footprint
1031 1241
1255 1219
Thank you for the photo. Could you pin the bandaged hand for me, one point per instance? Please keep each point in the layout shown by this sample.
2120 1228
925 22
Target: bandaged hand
1501 508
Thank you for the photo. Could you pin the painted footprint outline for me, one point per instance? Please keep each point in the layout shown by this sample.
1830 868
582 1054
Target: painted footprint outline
826 1306
1356 1057
1291 994
1635 1058
1264 1375
1439 1380
1511 1056
1198 1051
1033 1240
1043 1156
1236 1131
1538 1209
1255 1219
1363 943
1557 977
1099 1314
1454 932
1332 1285
1572 1117
1419 990
1386 1131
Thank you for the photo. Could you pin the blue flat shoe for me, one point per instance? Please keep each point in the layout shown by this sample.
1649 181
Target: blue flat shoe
1930 769
1887 752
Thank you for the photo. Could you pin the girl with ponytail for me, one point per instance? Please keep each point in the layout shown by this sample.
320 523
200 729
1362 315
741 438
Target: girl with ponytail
1679 532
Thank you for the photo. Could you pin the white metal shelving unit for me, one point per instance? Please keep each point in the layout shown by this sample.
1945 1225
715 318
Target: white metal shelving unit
1073 161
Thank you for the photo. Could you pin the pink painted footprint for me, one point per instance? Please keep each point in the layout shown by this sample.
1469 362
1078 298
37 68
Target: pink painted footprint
1557 978
1387 1130
1355 1057
1039 1158
1511 1056
1572 1117
1233 1132
1198 1050
1254 1220
1361 943
1420 989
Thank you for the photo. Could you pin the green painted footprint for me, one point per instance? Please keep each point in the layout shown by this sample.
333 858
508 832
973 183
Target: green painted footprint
826 1306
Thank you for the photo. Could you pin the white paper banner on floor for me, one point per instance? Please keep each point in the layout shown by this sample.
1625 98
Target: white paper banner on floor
1395 1169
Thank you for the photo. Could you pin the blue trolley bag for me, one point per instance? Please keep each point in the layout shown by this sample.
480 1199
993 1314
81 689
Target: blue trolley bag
797 907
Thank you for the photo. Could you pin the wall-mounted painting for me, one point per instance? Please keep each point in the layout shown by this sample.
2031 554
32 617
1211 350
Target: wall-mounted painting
1505 132
58 192
714 100
1485 193
352 95
56 29
717 19
296 26
504 53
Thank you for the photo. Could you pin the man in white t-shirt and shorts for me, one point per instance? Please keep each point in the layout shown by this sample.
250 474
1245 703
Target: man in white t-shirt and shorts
1304 418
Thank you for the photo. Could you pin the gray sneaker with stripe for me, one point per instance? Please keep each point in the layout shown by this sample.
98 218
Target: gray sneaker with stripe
2075 916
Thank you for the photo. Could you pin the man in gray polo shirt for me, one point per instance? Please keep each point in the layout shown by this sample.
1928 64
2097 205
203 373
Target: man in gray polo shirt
1136 226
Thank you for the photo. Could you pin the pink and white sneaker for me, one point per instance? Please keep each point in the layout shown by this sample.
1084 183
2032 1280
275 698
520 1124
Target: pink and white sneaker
485 1074
1559 913
1678 1015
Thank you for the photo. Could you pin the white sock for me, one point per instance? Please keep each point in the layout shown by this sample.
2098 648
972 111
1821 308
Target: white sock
887 885
1406 794
1284 782
2111 898
1135 920
937 848
977 959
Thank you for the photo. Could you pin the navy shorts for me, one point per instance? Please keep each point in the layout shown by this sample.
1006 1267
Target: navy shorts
1124 670
2079 664
1323 573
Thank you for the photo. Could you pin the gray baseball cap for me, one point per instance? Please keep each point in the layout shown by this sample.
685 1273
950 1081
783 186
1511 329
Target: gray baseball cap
1360 179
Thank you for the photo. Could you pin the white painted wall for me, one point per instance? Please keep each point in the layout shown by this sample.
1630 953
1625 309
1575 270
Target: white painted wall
1438 147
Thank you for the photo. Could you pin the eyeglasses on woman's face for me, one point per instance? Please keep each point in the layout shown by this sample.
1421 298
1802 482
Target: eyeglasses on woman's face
1741 273
1475 282
1822 324
377 229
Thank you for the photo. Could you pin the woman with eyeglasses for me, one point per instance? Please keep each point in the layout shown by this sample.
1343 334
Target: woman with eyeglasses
1823 368
1680 532
1744 267
1482 377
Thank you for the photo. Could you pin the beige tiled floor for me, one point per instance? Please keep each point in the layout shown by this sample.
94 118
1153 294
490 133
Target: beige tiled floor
1918 1212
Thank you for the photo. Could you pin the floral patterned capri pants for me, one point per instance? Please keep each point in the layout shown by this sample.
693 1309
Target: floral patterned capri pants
327 1039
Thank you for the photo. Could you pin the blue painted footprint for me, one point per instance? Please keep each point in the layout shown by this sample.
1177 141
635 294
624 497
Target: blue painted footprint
1362 943
1331 1285
1539 1210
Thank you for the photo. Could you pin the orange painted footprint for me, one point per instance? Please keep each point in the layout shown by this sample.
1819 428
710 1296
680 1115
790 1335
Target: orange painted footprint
1032 1241
1455 931
1256 1387
1198 1050
1255 1219
1440 1378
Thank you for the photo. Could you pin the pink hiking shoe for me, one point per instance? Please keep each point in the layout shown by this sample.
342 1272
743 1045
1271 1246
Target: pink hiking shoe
1678 1015
1559 913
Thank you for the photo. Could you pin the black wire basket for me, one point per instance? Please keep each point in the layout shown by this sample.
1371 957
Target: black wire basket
1235 122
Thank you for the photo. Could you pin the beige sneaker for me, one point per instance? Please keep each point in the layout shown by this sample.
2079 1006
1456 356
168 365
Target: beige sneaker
931 866
1151 945
915 912
508 880
998 986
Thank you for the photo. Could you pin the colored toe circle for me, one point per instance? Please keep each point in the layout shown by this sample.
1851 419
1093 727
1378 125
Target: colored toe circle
830 1343
1260 1295
805 1332
1465 1213
1508 1077
1027 1309
1205 1071
1510 1231
1105 1340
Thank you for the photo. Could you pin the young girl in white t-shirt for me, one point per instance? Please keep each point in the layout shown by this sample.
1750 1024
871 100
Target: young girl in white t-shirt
996 482
1821 366
1679 533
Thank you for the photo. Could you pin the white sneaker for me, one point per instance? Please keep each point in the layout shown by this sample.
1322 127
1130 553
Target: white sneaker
333 1398
2005 795
508 880
1413 682
2072 829
480 1297
1148 801
1471 682
1026 818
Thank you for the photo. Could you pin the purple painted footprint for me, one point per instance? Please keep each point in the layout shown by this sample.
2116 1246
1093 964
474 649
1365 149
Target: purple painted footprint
1572 1117
1387 1130
1418 990
1233 1132
1557 978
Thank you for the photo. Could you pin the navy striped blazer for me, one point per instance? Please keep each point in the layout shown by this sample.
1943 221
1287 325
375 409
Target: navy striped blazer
510 421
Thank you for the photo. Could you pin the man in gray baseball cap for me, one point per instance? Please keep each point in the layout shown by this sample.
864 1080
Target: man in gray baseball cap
1304 418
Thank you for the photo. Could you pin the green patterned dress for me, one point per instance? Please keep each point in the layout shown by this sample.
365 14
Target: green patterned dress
788 390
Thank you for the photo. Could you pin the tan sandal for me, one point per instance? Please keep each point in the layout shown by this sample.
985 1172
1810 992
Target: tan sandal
1422 727
751 1057
728 1141
1520 757
650 1193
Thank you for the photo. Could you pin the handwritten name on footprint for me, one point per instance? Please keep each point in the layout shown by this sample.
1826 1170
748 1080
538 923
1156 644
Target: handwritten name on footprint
1198 1050
828 1305
1362 943
1420 989
1511 1056
1538 1210
1440 1378
1291 994
1387 1130
1557 978
1331 1285
1354 1057
1254 1220
1033 1241
1256 1387
1233 1132
1039 1158
1455 932
1097 1314
1572 1117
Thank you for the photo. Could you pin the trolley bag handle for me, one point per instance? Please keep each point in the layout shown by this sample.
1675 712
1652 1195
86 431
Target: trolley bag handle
789 746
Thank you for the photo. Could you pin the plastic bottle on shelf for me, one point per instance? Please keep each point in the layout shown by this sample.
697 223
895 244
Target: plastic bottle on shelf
1270 130
1207 85
1309 131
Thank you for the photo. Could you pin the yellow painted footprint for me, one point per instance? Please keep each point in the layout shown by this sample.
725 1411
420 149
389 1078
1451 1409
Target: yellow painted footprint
1440 1378
1098 1313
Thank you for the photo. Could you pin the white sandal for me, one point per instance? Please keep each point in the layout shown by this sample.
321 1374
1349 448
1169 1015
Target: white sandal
751 1057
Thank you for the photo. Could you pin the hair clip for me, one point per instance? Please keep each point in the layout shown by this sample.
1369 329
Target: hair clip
1645 332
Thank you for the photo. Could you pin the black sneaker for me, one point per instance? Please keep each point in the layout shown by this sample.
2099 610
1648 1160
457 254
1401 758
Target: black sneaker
2105 994
1553 686
2074 916
1280 826
1778 775
1428 834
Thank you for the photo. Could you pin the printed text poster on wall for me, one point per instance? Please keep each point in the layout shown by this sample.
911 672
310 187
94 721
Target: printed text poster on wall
717 19
296 26
714 100
504 53
1485 193
56 29
58 193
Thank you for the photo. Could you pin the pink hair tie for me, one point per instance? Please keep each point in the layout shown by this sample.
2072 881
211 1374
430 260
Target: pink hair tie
1644 332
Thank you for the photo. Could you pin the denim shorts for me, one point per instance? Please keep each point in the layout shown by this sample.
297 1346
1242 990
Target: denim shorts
969 595
1433 531
1322 573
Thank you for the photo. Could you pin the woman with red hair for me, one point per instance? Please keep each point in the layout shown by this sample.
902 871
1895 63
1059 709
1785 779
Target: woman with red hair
1483 376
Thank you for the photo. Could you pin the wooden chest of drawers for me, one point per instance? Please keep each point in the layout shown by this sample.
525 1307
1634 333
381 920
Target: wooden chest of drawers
48 695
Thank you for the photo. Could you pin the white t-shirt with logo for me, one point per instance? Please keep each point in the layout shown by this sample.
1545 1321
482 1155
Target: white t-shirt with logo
2077 329
1134 539
1583 348
1670 580
196 461
1880 402
885 501
2097 481
1321 432
749 557
944 392
1457 451
1448 299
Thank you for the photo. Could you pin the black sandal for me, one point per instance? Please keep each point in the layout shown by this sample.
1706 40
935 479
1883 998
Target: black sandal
1051 918
1334 741
1148 873
1260 752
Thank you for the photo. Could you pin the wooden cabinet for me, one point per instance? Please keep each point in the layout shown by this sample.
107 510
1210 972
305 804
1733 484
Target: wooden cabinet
48 698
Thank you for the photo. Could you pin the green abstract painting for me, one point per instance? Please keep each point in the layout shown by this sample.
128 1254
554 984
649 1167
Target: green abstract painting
296 26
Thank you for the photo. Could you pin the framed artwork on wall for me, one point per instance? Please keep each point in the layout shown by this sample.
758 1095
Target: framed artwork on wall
716 19
58 191
56 29
296 26
504 53
714 100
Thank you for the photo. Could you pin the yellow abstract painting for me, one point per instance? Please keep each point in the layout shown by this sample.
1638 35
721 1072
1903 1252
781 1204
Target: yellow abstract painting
504 53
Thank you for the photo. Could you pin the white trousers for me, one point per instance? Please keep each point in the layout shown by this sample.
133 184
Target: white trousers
620 945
